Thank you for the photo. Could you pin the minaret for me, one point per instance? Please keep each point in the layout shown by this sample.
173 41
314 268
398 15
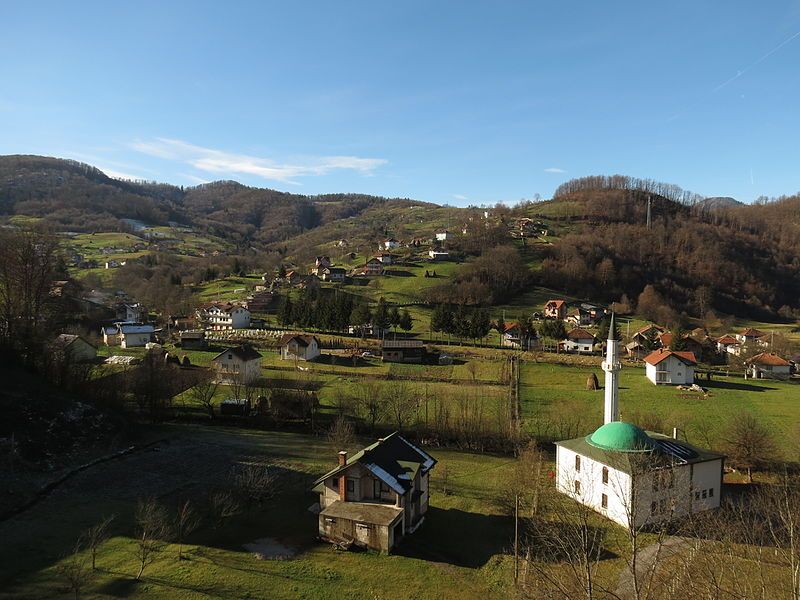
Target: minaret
612 367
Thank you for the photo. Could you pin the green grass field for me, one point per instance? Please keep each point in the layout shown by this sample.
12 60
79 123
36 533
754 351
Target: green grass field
460 551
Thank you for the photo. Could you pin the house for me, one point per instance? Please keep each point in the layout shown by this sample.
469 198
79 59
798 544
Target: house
670 367
443 236
555 309
385 258
241 364
299 347
292 277
112 264
579 340
728 344
258 302
749 335
322 261
373 267
182 323
132 313
223 316
512 337
194 340
403 351
391 244
634 477
333 274
636 350
133 335
438 255
376 497
580 317
648 335
74 349
768 365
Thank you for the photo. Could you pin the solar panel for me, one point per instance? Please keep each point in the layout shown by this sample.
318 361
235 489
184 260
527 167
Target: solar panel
676 449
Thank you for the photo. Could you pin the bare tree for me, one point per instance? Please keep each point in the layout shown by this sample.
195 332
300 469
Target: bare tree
75 570
152 529
749 444
370 402
186 522
341 434
256 482
95 536
400 403
222 505
204 391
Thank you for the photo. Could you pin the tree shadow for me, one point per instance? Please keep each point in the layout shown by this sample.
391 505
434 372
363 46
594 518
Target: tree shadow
398 273
458 538
119 587
730 385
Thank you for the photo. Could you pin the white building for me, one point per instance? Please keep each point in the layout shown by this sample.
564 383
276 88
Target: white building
391 244
443 236
299 347
579 340
438 255
768 365
74 349
669 367
634 477
728 344
135 335
225 316
241 364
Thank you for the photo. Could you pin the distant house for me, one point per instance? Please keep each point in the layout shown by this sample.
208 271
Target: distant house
223 316
555 309
647 334
110 335
750 335
669 367
511 335
182 323
133 335
292 277
112 264
258 302
728 344
73 348
194 340
132 313
241 364
391 244
579 340
403 351
580 317
438 255
443 236
636 349
377 496
768 365
333 274
299 347
385 258
373 267
322 261
343 243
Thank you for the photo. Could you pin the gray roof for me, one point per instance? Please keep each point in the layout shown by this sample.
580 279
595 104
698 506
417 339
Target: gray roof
364 512
128 329
668 451
244 352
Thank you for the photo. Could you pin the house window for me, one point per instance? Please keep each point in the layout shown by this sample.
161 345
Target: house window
577 463
577 487
697 495
384 488
605 475
705 494
604 501
335 482
711 492
329 520
351 485
363 525
230 356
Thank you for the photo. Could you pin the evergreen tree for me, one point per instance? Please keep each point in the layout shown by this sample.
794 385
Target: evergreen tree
554 329
678 342
381 320
282 272
286 316
394 317
406 322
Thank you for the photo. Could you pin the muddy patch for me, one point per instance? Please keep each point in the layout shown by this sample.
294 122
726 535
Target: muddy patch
270 549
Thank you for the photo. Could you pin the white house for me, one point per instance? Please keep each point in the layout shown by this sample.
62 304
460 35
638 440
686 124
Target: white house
74 348
220 316
750 335
438 255
385 258
299 347
391 244
334 274
443 236
579 340
768 365
728 344
241 364
670 367
634 477
135 335
132 313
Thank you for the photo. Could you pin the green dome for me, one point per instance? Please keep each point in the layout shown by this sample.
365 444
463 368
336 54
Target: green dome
621 437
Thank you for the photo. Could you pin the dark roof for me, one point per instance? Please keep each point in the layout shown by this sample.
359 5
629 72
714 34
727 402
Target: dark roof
579 334
243 352
752 332
65 339
302 340
403 344
393 459
363 512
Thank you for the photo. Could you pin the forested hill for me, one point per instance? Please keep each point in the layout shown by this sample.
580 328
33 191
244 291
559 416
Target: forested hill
77 197
735 258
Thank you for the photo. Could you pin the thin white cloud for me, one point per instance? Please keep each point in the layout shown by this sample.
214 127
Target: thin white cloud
460 197
194 178
554 170
218 161
120 175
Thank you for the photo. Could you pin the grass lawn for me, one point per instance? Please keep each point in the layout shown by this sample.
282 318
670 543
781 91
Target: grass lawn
551 393
460 552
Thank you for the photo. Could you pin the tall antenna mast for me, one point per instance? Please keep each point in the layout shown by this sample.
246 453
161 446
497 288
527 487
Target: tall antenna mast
649 213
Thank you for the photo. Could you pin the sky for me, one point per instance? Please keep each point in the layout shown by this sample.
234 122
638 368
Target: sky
449 102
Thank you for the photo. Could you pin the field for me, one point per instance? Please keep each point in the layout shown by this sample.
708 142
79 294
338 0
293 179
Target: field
460 552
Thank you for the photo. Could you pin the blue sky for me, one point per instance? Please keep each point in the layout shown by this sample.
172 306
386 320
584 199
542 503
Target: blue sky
450 102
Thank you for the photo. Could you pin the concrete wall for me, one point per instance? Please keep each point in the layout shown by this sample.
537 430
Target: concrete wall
133 340
675 371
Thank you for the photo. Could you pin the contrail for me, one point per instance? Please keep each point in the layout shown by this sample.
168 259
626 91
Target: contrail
753 64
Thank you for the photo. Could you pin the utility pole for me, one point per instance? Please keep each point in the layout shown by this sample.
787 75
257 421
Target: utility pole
649 213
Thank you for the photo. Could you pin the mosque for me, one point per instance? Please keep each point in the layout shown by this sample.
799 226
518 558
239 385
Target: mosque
636 477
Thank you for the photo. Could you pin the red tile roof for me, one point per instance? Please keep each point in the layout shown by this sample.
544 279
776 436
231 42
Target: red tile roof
727 339
769 359
579 334
660 355
752 332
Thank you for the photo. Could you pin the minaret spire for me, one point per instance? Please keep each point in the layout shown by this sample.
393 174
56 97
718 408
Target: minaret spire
612 367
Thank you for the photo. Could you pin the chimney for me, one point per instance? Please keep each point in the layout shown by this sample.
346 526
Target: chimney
342 458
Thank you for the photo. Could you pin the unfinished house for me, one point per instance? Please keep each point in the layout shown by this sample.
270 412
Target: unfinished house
375 497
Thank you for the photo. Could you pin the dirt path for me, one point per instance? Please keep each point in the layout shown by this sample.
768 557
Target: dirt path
647 556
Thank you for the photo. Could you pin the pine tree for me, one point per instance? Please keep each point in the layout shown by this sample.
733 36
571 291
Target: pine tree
381 320
286 316
406 322
282 272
